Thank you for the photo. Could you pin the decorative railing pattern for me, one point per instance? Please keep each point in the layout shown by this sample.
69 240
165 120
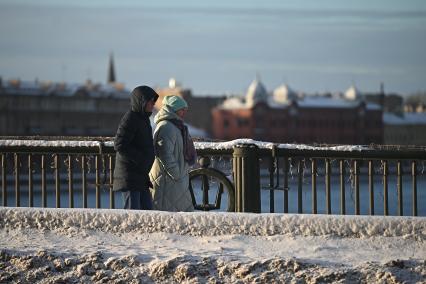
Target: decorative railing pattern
83 169
54 161
350 160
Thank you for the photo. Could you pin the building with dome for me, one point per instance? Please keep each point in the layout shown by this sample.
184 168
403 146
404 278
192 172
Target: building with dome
286 116
284 94
352 94
256 93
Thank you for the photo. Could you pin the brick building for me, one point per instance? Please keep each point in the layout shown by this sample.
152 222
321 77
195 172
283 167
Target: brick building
405 129
285 116
44 108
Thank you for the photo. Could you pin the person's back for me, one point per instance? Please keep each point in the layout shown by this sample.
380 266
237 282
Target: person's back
135 151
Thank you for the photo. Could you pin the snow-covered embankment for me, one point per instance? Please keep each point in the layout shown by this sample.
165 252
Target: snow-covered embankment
118 245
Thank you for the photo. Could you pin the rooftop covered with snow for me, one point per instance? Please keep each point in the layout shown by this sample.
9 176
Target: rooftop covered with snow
408 118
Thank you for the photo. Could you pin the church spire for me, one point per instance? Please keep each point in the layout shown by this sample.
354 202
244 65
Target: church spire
111 71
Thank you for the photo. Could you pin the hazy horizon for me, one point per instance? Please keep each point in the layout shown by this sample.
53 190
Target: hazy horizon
217 47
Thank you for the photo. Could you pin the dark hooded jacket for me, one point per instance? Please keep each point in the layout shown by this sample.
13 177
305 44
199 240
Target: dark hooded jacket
133 143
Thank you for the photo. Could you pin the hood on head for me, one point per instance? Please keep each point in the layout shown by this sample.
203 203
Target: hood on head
140 96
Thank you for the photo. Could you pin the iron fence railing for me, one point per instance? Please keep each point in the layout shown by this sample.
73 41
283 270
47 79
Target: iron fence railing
50 161
372 161
78 172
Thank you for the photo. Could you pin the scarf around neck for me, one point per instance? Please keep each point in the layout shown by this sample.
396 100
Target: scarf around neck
189 152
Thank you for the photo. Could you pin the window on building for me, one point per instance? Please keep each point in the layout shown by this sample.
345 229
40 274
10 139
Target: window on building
225 123
242 122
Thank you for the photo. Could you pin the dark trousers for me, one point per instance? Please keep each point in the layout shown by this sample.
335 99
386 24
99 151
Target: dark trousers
135 199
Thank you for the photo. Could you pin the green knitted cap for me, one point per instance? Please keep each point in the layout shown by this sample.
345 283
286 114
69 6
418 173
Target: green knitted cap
175 102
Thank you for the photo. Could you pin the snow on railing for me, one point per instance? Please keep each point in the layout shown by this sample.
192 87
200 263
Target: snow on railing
269 145
53 143
198 145
108 142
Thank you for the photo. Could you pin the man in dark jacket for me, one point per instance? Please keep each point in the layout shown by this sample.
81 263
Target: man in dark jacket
135 150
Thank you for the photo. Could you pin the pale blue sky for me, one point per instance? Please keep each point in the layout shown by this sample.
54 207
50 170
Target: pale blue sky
219 46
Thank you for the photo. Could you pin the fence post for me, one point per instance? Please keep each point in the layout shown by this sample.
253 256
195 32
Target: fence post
246 178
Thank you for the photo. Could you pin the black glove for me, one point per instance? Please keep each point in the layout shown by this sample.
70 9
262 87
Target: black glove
149 184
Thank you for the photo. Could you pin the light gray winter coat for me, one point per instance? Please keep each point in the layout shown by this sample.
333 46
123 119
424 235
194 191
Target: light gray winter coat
169 173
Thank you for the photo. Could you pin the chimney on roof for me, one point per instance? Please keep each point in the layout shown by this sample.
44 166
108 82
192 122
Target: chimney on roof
111 71
382 100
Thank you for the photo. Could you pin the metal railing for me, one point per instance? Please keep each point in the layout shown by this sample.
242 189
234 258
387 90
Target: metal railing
86 169
344 161
54 164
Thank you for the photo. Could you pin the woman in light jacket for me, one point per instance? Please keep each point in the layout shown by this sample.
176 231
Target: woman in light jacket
174 152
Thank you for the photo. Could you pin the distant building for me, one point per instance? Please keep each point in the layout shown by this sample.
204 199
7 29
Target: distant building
389 102
415 102
286 116
415 107
45 108
393 103
405 129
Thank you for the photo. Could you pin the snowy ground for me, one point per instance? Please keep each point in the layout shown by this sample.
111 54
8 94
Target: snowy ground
118 246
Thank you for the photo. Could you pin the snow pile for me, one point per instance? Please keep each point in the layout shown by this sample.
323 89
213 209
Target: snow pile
43 267
211 224
111 246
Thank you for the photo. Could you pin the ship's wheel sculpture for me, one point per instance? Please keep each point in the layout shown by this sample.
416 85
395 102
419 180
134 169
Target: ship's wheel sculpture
206 184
